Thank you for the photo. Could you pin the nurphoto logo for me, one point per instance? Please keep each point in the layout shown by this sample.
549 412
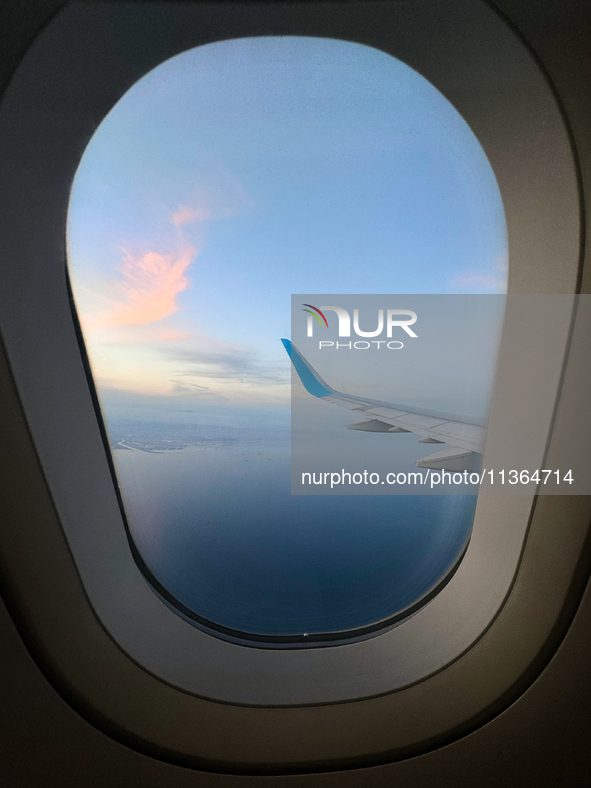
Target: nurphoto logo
344 318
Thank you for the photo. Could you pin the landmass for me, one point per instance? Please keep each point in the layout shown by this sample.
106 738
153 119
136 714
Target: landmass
160 437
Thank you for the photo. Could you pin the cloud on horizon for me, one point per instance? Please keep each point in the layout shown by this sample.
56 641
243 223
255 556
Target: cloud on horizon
118 403
227 362
189 388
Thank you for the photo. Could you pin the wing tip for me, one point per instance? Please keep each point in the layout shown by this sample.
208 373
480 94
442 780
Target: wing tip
310 379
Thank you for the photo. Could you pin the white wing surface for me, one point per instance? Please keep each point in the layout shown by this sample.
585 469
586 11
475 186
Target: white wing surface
464 436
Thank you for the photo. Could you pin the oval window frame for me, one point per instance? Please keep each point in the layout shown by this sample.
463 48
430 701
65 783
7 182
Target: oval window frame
543 227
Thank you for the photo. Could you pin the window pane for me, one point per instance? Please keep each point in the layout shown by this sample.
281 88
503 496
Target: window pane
224 180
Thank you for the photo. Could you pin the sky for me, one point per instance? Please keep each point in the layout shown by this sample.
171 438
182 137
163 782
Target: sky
243 171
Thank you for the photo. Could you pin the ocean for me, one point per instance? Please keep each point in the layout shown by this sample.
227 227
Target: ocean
215 522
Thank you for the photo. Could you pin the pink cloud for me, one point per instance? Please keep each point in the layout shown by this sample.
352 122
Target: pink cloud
152 284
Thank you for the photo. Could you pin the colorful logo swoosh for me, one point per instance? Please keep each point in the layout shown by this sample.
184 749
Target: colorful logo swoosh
315 315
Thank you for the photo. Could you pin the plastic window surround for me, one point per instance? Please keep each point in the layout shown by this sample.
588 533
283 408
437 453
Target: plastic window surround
70 78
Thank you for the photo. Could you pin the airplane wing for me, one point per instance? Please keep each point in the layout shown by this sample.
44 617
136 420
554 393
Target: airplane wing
465 436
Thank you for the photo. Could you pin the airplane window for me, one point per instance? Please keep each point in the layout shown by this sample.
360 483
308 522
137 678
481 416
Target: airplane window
224 180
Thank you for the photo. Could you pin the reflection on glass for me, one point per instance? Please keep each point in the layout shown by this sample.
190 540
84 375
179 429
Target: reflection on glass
227 178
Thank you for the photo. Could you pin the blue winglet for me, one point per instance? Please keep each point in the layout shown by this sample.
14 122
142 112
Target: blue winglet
312 381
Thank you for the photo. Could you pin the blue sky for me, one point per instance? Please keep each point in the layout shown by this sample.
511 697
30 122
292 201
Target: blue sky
243 171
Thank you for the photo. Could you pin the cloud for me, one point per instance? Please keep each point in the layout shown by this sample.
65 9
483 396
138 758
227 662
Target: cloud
494 282
150 287
145 334
227 362
478 280
185 215
189 388
150 283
